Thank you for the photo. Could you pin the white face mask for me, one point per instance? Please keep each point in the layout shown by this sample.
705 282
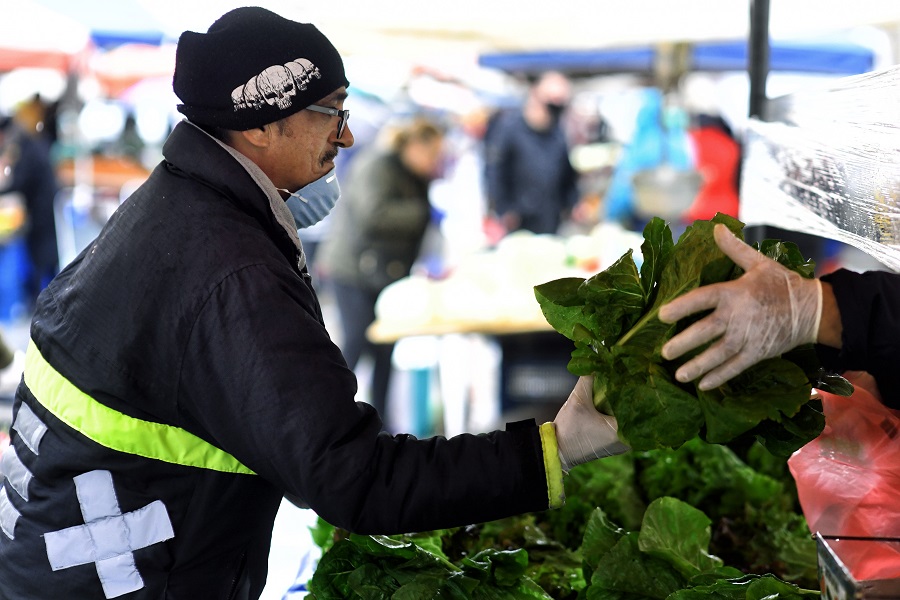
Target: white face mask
312 203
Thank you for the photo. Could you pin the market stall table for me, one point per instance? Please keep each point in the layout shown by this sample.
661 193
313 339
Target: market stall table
499 359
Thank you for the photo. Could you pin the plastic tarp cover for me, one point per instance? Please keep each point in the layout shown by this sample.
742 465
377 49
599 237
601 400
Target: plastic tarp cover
827 162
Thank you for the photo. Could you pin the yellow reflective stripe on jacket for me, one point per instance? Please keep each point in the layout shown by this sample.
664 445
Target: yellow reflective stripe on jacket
118 431
556 491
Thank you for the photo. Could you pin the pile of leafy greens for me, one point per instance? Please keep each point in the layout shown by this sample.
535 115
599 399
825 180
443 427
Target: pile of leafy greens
704 505
612 317
374 567
667 558
748 494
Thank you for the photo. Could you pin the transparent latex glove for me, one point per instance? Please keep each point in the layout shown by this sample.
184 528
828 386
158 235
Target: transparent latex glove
582 433
762 314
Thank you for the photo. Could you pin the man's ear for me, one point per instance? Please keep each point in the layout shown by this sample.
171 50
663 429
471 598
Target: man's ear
258 136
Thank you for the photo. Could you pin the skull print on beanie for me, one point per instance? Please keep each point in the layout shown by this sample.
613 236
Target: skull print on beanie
253 67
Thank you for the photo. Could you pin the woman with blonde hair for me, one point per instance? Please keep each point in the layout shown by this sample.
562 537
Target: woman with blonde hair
377 233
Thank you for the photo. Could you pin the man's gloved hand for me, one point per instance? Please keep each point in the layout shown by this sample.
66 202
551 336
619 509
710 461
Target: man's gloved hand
582 433
762 314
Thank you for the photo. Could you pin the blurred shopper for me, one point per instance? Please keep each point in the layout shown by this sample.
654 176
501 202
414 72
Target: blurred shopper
659 142
33 176
717 155
377 234
531 184
180 380
130 144
31 116
468 363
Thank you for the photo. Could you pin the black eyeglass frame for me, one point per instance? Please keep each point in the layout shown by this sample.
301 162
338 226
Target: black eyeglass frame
342 115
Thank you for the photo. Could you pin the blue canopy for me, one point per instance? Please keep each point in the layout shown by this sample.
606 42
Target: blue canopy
835 59
828 58
113 23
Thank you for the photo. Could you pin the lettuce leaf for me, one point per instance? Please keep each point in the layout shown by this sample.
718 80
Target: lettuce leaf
612 319
376 567
668 559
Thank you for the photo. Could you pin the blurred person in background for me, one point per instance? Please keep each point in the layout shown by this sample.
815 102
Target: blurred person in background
31 115
180 381
129 144
659 142
531 183
32 174
717 155
377 234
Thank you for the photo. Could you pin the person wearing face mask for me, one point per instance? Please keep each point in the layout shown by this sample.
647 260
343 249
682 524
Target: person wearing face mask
180 382
377 233
530 181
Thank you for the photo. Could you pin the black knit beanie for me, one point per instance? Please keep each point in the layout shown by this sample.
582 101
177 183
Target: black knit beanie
253 67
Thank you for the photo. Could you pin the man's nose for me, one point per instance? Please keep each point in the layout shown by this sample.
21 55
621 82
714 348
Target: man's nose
346 140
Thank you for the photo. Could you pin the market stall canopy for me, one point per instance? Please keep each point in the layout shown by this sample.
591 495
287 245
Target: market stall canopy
805 57
119 69
112 24
34 36
412 29
55 32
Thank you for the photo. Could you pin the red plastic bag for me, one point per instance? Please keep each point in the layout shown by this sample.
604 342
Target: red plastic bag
848 479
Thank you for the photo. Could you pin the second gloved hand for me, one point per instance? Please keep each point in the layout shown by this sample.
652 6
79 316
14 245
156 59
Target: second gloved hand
582 433
765 312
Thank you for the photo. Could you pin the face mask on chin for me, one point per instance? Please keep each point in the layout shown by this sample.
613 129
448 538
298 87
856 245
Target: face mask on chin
312 203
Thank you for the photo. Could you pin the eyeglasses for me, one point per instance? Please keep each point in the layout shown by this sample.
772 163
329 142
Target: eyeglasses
342 115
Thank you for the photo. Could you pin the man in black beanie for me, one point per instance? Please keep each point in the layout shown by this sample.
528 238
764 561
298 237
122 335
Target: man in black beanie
180 380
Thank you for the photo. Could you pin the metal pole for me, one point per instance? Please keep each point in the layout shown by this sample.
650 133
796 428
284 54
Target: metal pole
758 56
758 71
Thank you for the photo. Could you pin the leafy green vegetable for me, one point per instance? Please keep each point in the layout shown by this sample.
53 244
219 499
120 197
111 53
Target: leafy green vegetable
747 587
685 536
756 520
612 485
707 484
554 566
687 510
600 536
612 318
322 534
393 567
668 559
626 570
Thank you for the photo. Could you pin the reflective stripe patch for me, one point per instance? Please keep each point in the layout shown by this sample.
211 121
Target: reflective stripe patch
108 538
118 431
29 427
8 515
17 473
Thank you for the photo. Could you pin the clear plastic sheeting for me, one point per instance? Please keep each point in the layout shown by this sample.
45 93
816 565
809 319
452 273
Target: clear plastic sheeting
827 162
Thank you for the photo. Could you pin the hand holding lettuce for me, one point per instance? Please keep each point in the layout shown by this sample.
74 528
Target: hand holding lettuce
583 434
613 320
764 313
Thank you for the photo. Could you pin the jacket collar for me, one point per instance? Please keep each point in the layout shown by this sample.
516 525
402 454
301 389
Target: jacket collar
201 157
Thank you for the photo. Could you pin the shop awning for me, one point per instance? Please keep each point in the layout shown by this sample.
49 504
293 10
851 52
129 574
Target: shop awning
804 57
